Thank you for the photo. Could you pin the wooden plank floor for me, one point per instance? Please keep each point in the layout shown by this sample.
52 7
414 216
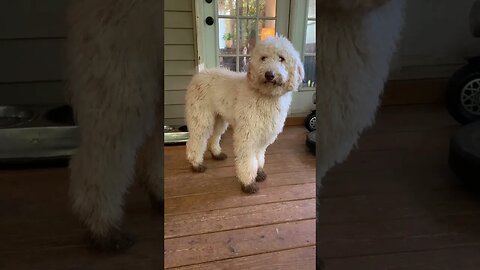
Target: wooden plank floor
211 224
38 230
394 204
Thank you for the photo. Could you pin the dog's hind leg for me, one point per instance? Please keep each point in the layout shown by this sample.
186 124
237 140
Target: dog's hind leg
214 141
199 130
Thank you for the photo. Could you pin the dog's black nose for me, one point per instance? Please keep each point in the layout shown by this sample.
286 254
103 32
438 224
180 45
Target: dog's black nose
269 76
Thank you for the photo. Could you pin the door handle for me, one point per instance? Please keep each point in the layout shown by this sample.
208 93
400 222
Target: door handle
209 20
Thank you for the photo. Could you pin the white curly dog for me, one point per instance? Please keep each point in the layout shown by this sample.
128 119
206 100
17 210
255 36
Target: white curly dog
254 103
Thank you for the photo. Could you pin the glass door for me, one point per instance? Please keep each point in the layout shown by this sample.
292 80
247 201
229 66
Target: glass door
237 26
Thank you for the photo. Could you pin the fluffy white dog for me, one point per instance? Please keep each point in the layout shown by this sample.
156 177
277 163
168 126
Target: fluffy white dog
114 72
254 103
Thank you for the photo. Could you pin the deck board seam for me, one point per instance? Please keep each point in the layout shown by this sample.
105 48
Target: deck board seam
241 228
239 257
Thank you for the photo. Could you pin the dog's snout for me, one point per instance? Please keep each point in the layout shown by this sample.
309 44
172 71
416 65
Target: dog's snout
269 75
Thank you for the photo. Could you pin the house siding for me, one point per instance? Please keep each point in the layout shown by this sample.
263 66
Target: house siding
32 35
180 57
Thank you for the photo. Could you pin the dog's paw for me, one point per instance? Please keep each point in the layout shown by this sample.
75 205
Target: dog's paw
221 156
115 241
251 188
199 168
261 176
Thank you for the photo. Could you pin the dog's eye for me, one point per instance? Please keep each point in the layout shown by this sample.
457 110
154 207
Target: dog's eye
282 59
263 58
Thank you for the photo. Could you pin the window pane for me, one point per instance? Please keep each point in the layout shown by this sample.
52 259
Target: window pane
248 34
247 8
226 7
310 39
227 36
243 63
266 28
266 8
311 9
309 65
229 62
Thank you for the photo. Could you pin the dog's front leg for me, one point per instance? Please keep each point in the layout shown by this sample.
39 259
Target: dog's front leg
246 163
261 175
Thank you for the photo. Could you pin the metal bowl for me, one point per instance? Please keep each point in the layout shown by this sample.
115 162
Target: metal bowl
175 135
168 129
11 116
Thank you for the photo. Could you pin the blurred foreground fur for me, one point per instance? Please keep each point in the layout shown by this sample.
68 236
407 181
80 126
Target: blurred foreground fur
114 88
357 41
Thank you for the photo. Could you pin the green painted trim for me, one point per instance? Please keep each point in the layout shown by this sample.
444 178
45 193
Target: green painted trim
282 14
205 34
298 14
298 25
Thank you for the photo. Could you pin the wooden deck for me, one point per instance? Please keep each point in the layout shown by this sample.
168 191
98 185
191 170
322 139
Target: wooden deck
395 204
38 231
211 224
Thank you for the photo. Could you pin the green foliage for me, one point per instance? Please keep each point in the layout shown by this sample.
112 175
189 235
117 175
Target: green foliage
227 36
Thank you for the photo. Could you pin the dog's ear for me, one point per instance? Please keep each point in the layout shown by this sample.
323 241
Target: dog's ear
300 70
294 82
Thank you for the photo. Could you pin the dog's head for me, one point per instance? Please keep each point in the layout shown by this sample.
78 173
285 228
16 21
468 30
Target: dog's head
275 67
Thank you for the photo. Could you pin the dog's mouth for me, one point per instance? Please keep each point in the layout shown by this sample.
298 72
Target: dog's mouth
273 82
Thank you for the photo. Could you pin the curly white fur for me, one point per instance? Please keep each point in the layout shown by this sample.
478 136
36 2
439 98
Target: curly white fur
254 107
114 86
357 42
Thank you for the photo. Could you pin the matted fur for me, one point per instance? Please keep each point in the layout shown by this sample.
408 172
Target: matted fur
114 89
357 42
255 109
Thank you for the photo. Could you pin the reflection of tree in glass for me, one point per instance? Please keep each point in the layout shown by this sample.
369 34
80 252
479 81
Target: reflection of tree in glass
252 38
248 33
247 7
261 6
226 7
